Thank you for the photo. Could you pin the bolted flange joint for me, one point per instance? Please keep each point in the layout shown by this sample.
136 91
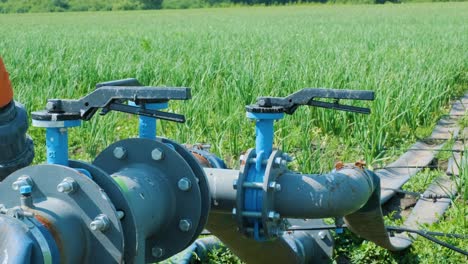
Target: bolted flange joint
100 223
157 252
120 153
185 225
184 184
157 154
22 181
68 185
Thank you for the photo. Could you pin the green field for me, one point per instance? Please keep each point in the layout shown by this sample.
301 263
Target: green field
415 57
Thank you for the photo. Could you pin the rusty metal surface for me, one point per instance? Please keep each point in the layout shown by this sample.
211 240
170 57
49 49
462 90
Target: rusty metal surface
59 211
17 245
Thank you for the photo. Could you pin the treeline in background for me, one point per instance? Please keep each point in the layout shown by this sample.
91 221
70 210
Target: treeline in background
25 6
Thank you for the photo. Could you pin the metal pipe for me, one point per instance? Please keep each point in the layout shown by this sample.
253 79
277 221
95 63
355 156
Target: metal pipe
57 145
147 125
302 195
319 196
223 195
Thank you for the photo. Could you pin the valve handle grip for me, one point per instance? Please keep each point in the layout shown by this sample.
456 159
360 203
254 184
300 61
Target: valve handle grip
112 96
308 97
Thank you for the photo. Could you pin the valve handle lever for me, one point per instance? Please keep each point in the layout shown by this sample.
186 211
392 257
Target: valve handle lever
111 96
308 96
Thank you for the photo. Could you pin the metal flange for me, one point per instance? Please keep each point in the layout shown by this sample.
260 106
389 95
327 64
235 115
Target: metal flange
76 205
163 189
202 181
121 204
272 225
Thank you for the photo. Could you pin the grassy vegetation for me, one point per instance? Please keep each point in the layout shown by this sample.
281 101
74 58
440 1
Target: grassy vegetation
413 56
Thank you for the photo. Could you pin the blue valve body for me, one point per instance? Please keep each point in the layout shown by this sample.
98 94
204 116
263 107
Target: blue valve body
264 131
57 142
147 125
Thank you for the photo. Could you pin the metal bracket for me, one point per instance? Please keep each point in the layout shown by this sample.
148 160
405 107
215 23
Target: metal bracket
308 96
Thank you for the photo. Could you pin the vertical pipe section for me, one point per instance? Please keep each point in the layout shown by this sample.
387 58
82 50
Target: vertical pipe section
57 145
264 137
147 125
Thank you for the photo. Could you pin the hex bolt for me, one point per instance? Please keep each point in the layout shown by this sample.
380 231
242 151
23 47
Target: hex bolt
273 215
274 186
22 181
157 252
120 214
278 160
120 153
185 225
100 223
184 184
234 184
322 235
157 154
287 157
68 185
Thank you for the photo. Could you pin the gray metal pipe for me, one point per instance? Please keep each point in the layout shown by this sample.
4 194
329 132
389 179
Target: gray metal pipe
319 196
302 196
223 195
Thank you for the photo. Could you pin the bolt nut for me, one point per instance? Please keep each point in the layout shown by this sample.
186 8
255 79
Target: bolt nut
185 225
273 215
100 223
234 184
120 153
322 235
157 154
157 252
274 186
68 185
287 157
278 160
184 184
120 215
22 181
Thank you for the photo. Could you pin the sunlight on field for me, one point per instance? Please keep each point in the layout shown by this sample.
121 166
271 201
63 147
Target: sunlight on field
414 56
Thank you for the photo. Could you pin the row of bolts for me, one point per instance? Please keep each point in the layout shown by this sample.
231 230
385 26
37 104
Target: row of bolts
101 222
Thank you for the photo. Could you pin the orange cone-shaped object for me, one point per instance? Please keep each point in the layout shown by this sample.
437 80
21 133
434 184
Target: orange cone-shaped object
6 91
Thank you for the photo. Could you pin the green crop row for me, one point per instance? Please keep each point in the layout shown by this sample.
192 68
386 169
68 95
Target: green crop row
413 56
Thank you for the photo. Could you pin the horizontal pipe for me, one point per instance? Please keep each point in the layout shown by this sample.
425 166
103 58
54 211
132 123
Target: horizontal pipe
302 195
223 194
320 196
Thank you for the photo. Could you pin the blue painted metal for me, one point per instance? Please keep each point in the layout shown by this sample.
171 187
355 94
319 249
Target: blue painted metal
84 172
25 189
264 130
147 125
57 141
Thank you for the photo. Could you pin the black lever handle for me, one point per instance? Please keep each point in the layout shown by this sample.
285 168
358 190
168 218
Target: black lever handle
111 96
309 96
